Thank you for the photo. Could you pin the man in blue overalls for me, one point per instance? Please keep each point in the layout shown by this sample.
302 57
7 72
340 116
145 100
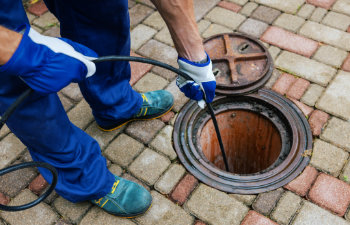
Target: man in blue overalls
48 64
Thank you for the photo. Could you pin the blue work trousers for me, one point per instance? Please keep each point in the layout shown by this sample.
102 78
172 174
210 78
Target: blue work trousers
41 122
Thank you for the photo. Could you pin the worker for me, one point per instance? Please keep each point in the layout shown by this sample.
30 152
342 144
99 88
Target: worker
48 64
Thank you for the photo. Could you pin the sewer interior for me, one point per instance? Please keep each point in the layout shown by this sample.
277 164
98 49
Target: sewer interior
252 142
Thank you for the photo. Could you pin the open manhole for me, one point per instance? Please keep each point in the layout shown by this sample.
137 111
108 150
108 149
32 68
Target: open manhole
264 134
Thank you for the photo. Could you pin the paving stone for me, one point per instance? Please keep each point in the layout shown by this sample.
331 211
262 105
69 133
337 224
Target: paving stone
30 17
102 137
4 200
239 2
46 21
286 208
274 51
53 31
164 212
347 216
215 207
306 11
38 185
150 82
179 98
335 99
225 17
345 176
146 2
246 199
184 189
312 94
289 41
330 55
318 14
73 92
41 214
163 142
275 75
256 218
149 166
337 132
342 6
289 6
97 216
230 6
306 68
138 70
62 222
265 202
303 182
123 150
248 8
214 29
326 34
170 178
298 88
140 35
135 180
4 131
167 117
164 36
317 121
330 193
10 148
67 104
38 8
73 211
283 83
311 214
198 222
265 14
202 7
322 3
81 115
138 13
12 183
203 25
115 169
289 22
346 64
337 20
304 108
328 158
144 131
159 51
253 27
155 20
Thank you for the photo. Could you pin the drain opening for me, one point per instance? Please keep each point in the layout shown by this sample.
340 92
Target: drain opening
252 142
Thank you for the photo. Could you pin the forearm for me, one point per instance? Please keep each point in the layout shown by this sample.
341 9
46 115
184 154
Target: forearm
180 19
9 41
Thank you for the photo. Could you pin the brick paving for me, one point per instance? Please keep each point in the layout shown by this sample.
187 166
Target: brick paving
309 42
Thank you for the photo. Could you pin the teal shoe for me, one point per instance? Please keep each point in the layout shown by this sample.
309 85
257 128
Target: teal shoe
155 104
126 199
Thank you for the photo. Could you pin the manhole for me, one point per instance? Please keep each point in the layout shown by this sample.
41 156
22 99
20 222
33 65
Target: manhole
264 134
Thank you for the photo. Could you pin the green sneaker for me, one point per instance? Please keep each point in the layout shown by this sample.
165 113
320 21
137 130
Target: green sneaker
155 104
126 199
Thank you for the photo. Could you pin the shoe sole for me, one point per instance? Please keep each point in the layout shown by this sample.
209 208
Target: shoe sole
123 124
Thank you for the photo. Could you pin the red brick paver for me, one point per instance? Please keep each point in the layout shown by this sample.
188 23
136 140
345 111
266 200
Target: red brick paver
199 223
38 8
283 83
230 6
307 110
331 193
303 182
346 64
184 189
4 200
317 120
289 41
322 3
138 70
167 117
348 30
254 218
298 88
38 185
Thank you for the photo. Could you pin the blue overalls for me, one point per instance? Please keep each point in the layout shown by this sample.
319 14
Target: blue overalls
41 122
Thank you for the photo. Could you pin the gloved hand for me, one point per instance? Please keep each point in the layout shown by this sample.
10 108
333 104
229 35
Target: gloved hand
202 75
49 64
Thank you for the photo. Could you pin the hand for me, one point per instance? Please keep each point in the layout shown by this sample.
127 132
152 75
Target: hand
203 78
49 64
